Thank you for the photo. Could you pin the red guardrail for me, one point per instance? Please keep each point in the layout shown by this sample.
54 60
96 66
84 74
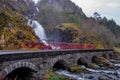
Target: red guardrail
58 45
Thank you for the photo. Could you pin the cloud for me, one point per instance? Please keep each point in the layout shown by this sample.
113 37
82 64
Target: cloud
104 7
113 5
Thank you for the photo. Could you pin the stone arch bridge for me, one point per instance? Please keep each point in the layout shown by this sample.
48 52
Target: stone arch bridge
44 61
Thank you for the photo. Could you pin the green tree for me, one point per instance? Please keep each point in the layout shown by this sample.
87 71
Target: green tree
72 18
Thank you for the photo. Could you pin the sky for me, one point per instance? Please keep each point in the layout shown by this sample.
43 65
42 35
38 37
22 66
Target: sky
108 8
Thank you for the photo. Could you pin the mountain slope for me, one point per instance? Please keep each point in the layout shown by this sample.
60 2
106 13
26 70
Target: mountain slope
63 21
14 30
57 12
54 12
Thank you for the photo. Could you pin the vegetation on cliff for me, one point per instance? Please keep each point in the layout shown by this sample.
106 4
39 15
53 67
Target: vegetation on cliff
101 32
14 30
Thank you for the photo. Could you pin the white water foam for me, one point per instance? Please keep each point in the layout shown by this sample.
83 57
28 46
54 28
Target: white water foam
36 1
37 9
68 74
39 30
117 64
81 77
103 71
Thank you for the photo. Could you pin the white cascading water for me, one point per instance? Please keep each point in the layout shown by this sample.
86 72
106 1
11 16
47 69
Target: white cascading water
39 30
79 77
37 9
68 74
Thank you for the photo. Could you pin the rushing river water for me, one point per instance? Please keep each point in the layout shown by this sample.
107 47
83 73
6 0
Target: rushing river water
109 74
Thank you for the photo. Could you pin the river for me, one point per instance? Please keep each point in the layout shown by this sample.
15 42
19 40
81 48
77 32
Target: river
95 74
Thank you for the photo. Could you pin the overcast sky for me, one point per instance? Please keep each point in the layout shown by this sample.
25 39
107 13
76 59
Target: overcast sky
108 8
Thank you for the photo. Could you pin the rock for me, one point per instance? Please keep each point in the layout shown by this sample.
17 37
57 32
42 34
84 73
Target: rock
101 78
82 61
95 59
103 60
116 74
90 77
94 66
77 69
112 66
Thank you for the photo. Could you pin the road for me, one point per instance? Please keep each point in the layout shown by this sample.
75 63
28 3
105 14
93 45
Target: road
2 52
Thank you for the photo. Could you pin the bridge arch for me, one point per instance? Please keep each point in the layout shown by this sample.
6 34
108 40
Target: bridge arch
22 73
107 56
111 56
60 65
94 59
104 55
82 61
18 66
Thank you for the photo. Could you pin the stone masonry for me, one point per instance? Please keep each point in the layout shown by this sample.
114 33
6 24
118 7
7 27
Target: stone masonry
43 61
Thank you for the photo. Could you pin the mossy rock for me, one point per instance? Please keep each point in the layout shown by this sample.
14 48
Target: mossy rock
94 66
116 52
90 77
49 75
103 60
77 69
46 77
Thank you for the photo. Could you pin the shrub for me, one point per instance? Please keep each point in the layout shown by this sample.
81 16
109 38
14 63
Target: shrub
72 18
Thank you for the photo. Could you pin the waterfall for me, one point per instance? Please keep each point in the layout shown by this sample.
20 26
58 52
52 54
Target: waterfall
39 30
37 9
36 1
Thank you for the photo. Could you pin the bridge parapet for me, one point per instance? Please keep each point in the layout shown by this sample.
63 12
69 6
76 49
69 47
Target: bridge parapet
18 55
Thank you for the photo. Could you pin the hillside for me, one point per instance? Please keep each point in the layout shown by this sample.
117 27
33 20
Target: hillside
14 30
62 20
54 13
